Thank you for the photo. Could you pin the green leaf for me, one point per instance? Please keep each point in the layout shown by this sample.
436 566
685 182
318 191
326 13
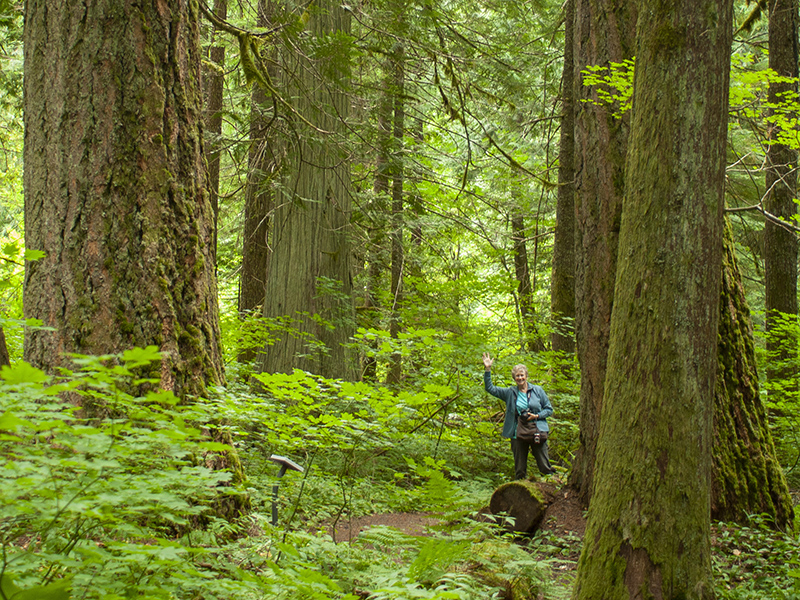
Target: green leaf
138 357
214 446
34 254
22 372
163 397
58 590
288 549
11 422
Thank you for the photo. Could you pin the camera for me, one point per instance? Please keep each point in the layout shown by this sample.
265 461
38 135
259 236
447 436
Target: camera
525 414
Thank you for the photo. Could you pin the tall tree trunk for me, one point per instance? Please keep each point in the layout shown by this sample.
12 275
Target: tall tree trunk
115 188
648 530
398 225
259 198
213 88
780 244
604 33
309 275
747 479
376 253
522 273
416 201
562 281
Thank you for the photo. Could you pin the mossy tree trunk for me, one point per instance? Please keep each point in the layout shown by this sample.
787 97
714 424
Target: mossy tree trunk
259 198
780 244
649 523
523 501
747 478
604 33
116 193
562 279
309 281
5 359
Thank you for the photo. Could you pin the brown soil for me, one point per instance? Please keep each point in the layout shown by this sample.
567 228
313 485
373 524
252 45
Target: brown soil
563 517
409 523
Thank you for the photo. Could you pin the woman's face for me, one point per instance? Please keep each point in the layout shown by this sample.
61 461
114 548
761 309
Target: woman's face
521 378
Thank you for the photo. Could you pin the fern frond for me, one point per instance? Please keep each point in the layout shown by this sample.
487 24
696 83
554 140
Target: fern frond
434 557
384 536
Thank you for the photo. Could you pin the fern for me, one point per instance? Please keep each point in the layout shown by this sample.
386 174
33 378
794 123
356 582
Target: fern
434 558
385 537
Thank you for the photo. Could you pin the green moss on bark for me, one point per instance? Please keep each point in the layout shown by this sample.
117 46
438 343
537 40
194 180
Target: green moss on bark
747 476
117 163
648 530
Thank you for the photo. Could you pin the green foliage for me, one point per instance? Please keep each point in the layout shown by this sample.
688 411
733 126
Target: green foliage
93 504
58 590
755 562
362 435
612 84
12 255
750 82
783 390
481 81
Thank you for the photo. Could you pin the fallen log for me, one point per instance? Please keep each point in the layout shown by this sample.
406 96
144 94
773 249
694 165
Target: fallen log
523 501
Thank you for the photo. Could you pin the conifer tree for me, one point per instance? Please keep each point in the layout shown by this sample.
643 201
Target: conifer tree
309 278
116 194
604 34
648 533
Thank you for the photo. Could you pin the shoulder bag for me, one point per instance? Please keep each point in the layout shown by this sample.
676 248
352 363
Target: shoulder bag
528 431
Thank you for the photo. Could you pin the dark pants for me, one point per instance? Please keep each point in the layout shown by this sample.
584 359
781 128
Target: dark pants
519 448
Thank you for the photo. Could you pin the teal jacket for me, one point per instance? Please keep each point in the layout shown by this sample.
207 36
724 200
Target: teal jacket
538 403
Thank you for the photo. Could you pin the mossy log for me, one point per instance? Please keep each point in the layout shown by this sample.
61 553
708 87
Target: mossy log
522 500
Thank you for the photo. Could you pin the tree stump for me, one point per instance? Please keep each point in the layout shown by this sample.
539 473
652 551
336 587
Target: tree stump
522 500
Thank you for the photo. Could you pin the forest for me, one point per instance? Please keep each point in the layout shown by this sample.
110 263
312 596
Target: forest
262 260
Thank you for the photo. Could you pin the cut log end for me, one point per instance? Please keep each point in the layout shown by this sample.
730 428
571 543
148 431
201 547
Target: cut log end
522 500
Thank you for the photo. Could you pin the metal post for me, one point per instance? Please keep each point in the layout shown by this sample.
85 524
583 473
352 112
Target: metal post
285 464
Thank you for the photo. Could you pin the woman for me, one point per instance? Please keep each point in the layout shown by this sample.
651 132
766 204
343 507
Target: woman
519 399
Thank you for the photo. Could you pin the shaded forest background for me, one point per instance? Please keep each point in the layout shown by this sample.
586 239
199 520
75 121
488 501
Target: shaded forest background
390 192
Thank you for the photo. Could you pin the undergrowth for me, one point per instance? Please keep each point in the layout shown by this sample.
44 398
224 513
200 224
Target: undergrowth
108 494
755 561
113 495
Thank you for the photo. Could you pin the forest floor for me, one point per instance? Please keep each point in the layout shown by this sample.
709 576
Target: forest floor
563 519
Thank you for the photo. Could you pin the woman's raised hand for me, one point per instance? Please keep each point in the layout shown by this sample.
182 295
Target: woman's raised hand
487 361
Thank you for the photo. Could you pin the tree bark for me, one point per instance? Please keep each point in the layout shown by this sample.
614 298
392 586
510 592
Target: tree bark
562 279
604 33
377 252
780 245
259 197
213 88
5 359
522 273
398 226
748 479
648 530
309 282
116 192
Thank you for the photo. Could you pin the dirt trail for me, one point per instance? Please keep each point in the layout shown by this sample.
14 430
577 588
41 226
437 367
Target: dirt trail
563 516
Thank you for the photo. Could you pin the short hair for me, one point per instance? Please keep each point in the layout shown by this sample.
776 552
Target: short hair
517 368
